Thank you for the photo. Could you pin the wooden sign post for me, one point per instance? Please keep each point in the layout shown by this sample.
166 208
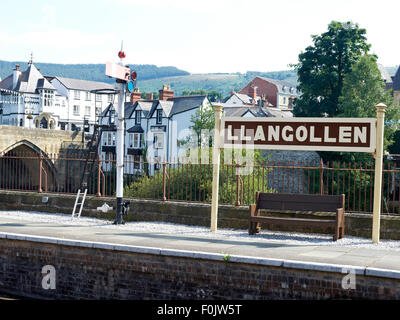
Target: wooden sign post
376 217
307 134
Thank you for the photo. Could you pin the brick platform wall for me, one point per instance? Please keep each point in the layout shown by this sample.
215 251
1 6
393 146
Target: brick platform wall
94 273
190 213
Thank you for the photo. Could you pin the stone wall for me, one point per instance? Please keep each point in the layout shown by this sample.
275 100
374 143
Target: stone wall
286 177
49 141
189 213
103 271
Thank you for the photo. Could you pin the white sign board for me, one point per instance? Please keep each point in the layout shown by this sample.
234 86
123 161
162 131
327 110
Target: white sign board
117 71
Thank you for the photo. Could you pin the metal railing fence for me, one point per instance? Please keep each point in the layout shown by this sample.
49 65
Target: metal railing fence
175 181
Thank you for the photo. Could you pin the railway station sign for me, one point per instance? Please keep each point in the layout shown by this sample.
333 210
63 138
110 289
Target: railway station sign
318 134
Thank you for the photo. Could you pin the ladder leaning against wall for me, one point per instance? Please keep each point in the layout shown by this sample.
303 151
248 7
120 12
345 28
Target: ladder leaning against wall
79 203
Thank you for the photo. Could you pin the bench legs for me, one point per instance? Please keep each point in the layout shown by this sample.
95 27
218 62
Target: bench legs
339 226
254 227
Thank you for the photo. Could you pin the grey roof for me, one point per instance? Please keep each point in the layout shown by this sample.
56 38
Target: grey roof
384 73
84 85
106 110
170 107
136 128
256 111
29 81
185 103
396 80
7 83
145 106
166 106
281 84
245 98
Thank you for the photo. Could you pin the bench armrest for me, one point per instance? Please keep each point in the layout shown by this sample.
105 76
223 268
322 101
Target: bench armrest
253 210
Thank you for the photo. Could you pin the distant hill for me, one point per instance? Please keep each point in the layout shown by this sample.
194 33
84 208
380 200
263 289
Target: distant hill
222 82
151 77
93 72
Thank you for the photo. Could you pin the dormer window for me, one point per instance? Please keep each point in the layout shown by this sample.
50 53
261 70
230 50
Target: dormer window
283 88
138 117
159 116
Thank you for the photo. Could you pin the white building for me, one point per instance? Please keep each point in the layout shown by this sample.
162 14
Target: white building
153 129
29 99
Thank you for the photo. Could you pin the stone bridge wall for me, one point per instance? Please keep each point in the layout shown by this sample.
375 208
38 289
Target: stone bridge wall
49 141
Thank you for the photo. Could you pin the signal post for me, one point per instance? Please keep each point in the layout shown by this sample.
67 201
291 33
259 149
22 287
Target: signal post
124 78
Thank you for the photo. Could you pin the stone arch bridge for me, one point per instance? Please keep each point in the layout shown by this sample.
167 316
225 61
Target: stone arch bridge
35 159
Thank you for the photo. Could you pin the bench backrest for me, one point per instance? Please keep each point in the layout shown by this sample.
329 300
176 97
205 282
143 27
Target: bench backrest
298 202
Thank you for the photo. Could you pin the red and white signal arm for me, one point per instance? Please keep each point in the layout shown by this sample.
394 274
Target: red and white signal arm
117 71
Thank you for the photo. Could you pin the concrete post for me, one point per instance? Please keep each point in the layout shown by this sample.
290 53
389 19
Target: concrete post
216 165
380 117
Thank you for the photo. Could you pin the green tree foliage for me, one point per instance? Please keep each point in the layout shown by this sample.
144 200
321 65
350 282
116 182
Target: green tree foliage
323 66
213 95
193 182
363 89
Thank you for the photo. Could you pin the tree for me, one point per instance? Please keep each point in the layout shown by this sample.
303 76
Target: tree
363 89
213 95
323 66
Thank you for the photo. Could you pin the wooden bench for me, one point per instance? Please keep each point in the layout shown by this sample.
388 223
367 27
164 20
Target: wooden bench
298 202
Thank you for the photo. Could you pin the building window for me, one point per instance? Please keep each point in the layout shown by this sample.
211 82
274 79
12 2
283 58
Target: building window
110 98
20 122
284 100
136 163
158 141
99 97
109 157
48 97
75 110
98 111
88 98
87 111
77 94
130 140
159 116
109 139
138 117
136 140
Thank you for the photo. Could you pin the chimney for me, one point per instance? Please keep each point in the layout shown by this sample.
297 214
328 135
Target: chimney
16 74
149 96
136 95
165 93
233 92
253 92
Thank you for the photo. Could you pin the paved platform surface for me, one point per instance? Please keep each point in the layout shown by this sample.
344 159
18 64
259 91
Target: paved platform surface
337 255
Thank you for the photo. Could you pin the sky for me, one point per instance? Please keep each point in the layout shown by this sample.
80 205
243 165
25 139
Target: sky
202 36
